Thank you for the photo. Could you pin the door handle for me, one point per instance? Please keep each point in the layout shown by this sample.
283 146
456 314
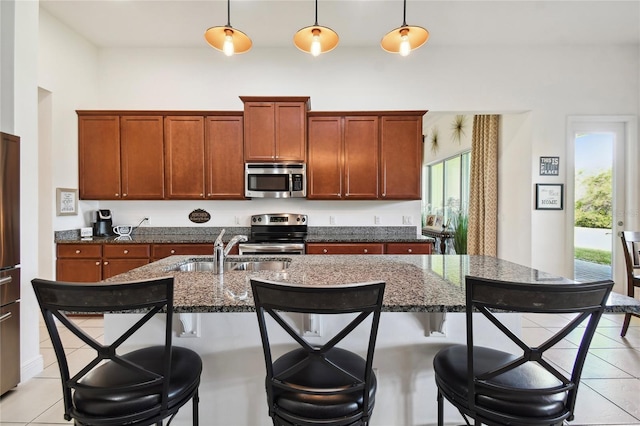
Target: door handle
5 280
5 317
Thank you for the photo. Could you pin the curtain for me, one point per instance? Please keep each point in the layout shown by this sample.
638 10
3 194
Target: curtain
482 237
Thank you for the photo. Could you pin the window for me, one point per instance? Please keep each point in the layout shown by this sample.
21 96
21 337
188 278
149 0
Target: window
447 186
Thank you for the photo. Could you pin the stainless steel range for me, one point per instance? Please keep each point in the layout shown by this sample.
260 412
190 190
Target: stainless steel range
276 233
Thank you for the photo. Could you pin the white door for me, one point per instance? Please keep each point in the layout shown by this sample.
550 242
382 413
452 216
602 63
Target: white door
598 159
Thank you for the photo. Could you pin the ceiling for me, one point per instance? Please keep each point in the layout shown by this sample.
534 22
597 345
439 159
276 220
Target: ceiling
181 23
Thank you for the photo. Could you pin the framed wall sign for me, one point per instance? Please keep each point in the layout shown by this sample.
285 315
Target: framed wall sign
549 166
66 202
549 196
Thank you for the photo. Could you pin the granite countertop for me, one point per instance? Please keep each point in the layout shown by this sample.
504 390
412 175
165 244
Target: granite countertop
195 235
415 283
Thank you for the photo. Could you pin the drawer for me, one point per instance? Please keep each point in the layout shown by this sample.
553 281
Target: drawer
79 251
409 248
345 248
165 250
124 251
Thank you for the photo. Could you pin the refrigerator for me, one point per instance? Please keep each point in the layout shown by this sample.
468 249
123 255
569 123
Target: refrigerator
9 261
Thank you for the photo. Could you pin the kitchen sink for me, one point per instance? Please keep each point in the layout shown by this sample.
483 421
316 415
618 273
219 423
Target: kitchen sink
233 265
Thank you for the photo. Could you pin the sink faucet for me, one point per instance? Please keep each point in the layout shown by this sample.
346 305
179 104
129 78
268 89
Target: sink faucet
220 252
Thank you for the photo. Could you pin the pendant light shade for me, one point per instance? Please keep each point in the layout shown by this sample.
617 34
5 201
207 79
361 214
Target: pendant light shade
228 39
404 39
316 39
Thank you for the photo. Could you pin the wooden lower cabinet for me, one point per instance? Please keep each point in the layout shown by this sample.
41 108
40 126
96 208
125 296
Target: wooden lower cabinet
119 258
345 248
96 262
369 248
79 262
409 248
160 251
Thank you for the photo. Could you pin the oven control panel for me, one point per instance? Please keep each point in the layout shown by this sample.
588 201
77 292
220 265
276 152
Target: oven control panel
279 219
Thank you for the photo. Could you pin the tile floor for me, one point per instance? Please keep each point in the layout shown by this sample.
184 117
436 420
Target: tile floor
609 395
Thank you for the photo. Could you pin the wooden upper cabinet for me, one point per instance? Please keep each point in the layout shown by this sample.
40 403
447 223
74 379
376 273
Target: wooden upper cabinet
275 128
225 162
99 157
401 157
142 156
120 157
325 165
361 157
184 157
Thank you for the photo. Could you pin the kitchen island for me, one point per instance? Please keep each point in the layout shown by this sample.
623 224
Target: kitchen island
423 312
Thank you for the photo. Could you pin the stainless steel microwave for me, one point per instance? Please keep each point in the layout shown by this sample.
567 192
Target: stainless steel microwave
275 180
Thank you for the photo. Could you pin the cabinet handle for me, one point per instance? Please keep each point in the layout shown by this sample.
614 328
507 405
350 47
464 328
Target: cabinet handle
106 263
126 252
173 251
325 250
117 195
409 250
77 251
208 194
5 317
124 195
97 263
366 251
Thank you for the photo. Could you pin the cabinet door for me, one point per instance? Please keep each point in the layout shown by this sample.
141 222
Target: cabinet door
259 131
409 248
324 169
113 267
142 155
79 270
401 158
290 126
225 160
160 251
99 157
345 248
361 157
184 157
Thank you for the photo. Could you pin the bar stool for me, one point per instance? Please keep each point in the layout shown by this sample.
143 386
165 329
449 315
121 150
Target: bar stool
319 384
498 388
141 387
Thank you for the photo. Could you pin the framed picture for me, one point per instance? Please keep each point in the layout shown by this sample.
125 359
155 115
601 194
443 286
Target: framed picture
66 202
431 220
438 222
549 196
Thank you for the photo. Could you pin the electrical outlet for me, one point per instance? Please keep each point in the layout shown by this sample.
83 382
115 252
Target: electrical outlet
332 220
376 220
237 220
406 220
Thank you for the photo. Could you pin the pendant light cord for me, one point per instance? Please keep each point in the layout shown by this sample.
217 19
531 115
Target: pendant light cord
316 24
404 16
229 13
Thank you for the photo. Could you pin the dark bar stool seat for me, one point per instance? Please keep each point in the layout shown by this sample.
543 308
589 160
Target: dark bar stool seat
319 383
496 387
141 387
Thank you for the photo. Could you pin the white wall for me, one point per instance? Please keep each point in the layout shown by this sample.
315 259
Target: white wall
548 82
551 82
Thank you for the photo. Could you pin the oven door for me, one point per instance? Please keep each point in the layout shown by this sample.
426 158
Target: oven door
270 248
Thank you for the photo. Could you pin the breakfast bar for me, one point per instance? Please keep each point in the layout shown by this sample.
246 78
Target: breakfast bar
423 306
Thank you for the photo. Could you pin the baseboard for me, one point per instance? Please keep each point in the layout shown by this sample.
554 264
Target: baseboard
31 368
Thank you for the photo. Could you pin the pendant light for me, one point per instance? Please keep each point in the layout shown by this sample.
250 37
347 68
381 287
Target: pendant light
316 39
404 39
228 39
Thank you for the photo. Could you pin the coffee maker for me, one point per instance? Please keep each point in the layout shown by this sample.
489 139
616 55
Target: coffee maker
103 226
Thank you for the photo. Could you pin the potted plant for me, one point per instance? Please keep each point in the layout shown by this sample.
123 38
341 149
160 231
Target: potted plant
460 223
